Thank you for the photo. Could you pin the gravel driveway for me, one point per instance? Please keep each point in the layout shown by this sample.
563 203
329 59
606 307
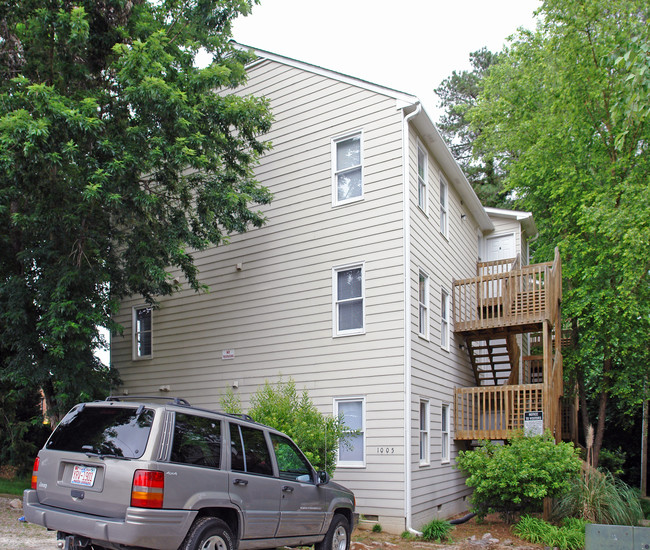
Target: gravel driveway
16 535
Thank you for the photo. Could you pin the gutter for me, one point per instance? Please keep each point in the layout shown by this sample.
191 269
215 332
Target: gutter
406 221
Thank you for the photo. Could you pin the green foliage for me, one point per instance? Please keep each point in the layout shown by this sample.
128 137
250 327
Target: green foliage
437 530
22 432
376 528
517 477
613 461
406 535
569 536
15 486
118 158
565 112
458 94
600 497
283 408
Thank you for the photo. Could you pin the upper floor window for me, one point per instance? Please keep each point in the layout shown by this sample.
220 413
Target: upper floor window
353 451
348 300
142 332
444 199
348 170
422 178
423 299
444 320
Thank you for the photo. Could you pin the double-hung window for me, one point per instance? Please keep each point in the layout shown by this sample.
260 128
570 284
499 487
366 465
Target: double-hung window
444 320
347 158
424 433
352 451
444 433
348 291
444 200
422 178
142 332
423 299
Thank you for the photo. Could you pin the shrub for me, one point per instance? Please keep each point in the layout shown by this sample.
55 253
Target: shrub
281 407
599 497
569 536
437 530
376 528
406 535
517 477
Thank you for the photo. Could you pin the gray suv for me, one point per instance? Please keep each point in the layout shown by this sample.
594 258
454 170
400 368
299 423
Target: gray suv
118 475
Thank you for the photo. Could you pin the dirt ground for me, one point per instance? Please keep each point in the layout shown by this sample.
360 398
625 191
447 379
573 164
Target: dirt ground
17 535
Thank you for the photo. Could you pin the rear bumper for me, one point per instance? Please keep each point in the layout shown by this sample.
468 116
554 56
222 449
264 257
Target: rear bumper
142 527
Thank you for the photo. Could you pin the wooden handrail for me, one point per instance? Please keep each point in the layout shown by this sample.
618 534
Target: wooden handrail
494 412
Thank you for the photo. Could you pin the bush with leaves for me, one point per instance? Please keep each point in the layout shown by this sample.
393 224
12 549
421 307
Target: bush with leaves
570 535
282 407
517 477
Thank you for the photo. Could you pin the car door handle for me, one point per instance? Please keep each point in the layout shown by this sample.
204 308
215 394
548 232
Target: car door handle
287 489
240 482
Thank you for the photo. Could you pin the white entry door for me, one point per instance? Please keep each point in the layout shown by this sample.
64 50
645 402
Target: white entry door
500 247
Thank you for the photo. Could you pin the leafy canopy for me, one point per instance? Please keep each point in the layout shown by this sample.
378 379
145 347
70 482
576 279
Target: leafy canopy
118 158
282 407
565 112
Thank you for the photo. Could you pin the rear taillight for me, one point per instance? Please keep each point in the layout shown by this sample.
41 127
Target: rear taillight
35 472
148 489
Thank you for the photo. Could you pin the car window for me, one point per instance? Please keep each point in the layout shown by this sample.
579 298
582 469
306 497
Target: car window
249 451
115 431
197 440
292 465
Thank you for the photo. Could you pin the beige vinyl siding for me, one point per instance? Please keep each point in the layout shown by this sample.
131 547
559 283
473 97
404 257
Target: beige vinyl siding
438 489
276 313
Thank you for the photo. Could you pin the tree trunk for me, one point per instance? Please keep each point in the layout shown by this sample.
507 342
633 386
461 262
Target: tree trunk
602 409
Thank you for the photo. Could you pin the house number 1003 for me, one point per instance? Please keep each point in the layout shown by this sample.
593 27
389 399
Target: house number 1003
385 450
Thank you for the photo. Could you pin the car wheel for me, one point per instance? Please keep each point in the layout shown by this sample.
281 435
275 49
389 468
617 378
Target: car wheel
338 535
208 534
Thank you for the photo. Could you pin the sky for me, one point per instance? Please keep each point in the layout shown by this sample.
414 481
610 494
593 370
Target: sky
408 45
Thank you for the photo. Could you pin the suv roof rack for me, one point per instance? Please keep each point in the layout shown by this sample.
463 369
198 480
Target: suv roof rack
172 400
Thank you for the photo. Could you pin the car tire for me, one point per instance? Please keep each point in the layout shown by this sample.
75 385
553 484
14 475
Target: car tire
209 534
338 535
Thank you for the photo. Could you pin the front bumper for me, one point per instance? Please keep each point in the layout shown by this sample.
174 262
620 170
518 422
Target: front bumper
141 527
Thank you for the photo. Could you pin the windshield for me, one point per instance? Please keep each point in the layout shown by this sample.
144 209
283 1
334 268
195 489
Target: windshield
110 431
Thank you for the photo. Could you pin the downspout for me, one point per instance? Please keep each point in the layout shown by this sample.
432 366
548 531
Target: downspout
406 221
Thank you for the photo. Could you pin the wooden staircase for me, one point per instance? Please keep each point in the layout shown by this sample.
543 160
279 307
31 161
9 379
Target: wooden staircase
495 360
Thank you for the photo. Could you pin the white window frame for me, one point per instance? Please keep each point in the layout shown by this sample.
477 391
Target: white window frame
336 171
444 207
355 463
423 306
445 332
445 433
135 333
336 332
423 180
425 432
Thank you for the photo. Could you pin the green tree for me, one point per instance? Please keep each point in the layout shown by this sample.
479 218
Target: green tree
564 111
458 94
282 407
118 158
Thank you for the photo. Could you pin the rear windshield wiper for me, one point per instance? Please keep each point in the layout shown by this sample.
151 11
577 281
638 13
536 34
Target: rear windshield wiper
90 451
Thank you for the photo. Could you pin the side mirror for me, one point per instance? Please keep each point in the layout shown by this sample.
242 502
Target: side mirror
323 478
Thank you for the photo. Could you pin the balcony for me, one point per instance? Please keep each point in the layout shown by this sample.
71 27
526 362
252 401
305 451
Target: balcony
507 296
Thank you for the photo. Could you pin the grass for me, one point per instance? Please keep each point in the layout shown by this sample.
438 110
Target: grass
437 530
569 536
15 486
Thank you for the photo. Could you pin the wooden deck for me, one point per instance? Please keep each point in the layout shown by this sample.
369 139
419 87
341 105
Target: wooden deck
495 412
496 298
503 300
